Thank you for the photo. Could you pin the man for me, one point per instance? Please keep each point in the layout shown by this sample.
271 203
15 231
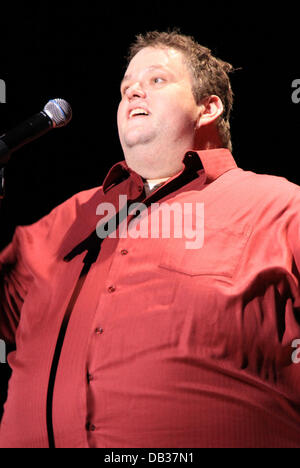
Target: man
139 337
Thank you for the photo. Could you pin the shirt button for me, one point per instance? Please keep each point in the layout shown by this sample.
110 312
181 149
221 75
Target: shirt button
90 427
90 377
111 289
124 252
99 331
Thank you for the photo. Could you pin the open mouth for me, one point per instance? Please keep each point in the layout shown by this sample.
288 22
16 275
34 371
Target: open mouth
138 112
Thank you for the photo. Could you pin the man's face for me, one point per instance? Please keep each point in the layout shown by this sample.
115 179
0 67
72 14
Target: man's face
157 113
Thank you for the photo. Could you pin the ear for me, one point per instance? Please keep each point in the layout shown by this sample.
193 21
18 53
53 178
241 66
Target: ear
210 109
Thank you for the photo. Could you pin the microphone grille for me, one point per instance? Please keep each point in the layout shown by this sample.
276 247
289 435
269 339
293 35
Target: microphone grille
59 111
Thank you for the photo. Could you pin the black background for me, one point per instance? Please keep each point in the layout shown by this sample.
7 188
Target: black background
76 51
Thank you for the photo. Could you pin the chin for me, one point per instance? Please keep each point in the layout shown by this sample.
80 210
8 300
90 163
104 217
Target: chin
136 137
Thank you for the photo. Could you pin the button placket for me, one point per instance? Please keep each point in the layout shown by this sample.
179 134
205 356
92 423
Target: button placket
90 377
90 427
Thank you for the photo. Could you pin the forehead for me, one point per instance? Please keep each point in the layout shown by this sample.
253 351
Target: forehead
152 57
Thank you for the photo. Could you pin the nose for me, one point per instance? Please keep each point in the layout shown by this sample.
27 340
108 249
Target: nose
135 91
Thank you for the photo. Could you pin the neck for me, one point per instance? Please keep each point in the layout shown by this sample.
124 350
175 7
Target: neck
157 181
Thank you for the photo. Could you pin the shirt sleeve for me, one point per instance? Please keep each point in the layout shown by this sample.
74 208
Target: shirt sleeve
22 259
15 279
296 247
18 264
294 238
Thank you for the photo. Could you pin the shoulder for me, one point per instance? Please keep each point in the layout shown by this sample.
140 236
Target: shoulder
68 210
46 233
267 187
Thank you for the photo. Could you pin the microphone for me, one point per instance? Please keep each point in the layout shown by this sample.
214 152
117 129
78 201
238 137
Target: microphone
56 113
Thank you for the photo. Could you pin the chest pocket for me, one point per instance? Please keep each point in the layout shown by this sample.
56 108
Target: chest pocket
218 251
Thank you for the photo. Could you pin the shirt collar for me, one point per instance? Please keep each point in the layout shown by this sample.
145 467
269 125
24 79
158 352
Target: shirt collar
215 162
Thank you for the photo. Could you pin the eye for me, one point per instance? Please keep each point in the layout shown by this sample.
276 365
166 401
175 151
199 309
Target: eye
158 79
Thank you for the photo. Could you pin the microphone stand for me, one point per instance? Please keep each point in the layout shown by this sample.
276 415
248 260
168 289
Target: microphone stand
1 184
5 155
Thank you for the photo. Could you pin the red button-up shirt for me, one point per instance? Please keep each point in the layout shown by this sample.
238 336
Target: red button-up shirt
166 346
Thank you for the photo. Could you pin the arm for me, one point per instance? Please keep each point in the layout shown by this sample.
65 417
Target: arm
22 260
14 282
294 237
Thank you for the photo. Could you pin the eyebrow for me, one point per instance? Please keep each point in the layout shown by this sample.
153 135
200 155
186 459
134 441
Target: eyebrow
152 67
